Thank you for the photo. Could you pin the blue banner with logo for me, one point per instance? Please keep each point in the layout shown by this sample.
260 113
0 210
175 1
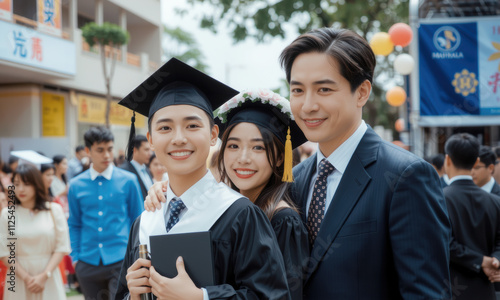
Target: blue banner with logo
459 67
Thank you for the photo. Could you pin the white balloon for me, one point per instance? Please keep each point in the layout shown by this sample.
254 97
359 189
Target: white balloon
404 64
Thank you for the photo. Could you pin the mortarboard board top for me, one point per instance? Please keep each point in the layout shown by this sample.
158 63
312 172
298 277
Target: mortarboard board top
176 83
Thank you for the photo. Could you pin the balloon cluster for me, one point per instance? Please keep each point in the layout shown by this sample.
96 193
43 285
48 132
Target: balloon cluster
383 43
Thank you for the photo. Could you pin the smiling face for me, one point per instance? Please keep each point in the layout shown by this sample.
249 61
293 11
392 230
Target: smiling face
322 102
181 137
246 160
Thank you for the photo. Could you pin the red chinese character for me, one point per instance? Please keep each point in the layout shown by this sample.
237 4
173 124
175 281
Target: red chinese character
36 49
495 83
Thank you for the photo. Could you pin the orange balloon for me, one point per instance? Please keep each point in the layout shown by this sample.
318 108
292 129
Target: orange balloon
381 44
396 96
401 34
399 125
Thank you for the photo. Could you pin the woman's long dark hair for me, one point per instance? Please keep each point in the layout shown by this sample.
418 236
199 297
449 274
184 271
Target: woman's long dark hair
57 160
275 189
30 175
43 169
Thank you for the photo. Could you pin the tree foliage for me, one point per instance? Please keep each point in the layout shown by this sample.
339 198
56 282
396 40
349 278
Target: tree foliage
107 37
105 34
262 19
181 44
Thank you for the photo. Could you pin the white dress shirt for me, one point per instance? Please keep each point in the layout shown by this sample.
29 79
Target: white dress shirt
460 177
489 185
339 159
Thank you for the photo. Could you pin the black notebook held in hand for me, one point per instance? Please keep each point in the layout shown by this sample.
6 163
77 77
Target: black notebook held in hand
196 250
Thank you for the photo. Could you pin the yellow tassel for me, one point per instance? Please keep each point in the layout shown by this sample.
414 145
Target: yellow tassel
288 174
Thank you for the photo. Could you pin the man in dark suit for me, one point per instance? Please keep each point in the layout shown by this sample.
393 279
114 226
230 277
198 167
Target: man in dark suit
141 155
375 213
475 220
482 173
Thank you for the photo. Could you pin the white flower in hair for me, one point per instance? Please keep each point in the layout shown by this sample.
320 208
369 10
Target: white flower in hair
255 95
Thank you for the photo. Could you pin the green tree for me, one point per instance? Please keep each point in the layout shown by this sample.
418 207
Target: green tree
106 36
262 20
181 44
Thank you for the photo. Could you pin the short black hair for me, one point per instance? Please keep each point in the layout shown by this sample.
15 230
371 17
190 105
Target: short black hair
438 161
97 135
79 148
497 152
352 52
487 156
138 140
463 150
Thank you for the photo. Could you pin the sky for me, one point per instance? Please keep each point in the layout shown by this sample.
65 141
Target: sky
247 64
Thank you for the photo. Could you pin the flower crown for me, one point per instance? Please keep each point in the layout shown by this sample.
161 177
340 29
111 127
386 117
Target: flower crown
264 96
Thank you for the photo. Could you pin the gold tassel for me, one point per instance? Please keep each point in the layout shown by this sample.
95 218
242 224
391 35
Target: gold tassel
288 174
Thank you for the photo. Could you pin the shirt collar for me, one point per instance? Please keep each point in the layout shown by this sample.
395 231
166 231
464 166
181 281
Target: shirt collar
106 173
489 185
137 165
342 155
460 177
189 197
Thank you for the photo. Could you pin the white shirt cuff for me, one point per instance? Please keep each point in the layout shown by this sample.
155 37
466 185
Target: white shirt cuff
205 294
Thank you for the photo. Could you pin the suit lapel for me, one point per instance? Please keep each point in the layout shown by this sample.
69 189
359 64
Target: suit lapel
352 185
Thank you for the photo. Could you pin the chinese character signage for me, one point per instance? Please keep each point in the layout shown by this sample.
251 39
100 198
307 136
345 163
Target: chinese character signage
460 68
53 114
6 10
49 16
23 45
93 109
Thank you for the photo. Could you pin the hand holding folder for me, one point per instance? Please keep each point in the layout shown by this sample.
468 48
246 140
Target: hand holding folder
195 249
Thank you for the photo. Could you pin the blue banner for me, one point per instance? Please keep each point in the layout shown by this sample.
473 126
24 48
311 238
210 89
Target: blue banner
460 68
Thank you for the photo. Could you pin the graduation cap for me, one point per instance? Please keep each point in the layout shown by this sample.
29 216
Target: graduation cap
175 83
31 157
268 110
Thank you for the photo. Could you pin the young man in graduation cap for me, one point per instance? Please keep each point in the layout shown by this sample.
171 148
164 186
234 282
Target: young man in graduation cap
179 102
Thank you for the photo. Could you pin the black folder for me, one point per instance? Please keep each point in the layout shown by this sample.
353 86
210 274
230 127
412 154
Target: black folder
196 250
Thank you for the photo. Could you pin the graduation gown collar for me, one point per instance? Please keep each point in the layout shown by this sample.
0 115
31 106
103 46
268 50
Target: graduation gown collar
208 200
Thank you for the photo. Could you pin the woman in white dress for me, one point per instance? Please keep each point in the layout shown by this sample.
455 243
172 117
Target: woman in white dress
42 239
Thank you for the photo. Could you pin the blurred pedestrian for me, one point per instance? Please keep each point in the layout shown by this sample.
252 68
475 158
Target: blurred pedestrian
437 161
474 216
79 163
42 239
103 203
482 172
59 186
157 169
138 165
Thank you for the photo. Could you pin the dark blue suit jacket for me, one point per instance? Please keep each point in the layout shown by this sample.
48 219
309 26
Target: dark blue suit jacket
386 232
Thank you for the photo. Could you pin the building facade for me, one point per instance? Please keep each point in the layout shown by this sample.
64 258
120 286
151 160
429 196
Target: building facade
52 86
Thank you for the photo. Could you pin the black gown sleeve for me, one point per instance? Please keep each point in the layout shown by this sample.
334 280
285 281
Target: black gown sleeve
249 265
131 256
293 242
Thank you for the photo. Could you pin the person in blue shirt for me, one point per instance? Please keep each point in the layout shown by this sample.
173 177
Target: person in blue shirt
103 203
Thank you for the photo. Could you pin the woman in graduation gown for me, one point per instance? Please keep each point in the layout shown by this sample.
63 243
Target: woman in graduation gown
256 160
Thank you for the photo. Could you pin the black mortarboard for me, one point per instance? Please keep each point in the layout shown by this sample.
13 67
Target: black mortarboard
268 110
175 83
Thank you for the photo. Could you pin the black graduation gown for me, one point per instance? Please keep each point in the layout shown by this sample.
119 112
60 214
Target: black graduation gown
294 245
247 259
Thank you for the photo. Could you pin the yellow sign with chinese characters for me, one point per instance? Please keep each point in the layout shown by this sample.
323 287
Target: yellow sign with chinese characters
93 110
53 123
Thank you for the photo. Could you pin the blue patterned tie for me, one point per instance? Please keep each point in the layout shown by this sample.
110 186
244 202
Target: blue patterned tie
176 207
318 200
